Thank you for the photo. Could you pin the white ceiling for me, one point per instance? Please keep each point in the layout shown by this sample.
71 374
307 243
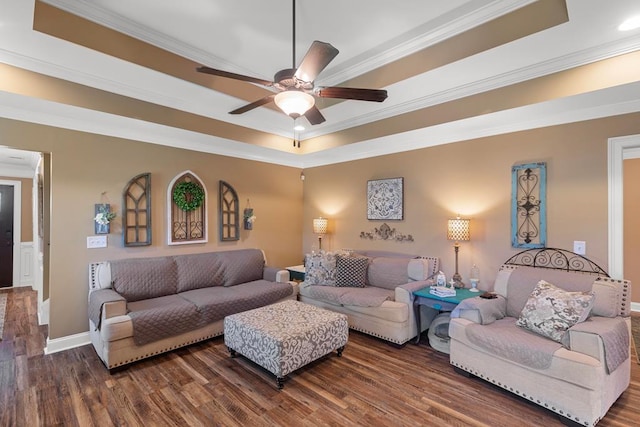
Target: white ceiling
254 37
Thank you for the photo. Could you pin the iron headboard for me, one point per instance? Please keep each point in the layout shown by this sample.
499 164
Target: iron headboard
556 259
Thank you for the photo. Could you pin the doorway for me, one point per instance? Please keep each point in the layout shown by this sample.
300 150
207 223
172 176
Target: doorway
6 236
620 148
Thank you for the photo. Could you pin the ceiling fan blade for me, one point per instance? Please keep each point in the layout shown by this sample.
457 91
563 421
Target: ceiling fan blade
235 76
254 104
314 116
315 60
376 95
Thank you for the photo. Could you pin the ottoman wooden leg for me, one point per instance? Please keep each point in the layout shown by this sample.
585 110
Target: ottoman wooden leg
232 352
280 382
340 350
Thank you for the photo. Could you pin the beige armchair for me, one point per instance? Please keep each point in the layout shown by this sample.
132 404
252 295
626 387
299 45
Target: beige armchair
580 375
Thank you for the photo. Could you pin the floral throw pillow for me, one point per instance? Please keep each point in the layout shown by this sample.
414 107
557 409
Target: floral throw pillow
320 268
550 311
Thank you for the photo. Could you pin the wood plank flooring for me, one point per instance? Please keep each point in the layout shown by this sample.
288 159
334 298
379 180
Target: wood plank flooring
372 384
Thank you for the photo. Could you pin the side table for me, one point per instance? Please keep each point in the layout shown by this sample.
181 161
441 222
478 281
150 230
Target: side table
424 297
296 272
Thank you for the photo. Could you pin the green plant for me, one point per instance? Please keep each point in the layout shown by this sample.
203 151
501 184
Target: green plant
188 196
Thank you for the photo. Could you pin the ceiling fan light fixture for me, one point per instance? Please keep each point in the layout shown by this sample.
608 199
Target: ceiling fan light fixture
294 103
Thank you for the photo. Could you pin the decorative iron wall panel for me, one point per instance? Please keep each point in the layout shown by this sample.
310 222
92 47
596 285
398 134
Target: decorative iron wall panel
187 209
529 205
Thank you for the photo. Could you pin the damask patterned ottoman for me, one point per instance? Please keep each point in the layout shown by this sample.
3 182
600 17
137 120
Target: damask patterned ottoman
285 336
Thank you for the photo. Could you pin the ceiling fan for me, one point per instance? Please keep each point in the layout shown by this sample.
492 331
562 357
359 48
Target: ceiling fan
294 87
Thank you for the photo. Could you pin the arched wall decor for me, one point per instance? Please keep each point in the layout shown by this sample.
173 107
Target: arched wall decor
229 213
136 211
186 209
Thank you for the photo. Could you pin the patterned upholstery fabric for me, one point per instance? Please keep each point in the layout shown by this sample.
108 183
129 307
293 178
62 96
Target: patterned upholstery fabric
516 344
199 271
550 311
141 278
162 317
217 302
285 336
387 272
351 271
320 268
242 266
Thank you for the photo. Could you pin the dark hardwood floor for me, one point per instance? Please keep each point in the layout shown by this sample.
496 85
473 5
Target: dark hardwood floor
372 384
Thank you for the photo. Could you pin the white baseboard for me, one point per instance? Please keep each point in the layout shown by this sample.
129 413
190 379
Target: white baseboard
635 306
66 343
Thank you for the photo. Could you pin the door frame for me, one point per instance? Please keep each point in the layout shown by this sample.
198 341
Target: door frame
17 227
620 148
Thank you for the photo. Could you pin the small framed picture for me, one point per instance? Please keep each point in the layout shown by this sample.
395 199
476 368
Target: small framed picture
385 199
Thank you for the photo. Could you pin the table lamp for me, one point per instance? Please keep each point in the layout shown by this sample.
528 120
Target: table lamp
320 228
458 231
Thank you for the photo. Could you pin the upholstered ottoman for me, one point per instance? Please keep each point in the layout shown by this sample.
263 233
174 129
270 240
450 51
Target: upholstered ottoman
285 336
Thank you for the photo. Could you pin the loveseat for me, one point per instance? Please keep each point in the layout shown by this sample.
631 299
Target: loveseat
373 288
558 338
145 306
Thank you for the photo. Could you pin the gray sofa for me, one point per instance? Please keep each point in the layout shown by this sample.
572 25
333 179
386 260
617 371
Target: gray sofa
145 306
373 288
577 372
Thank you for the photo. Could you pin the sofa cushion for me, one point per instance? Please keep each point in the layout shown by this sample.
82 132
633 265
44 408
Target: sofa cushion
320 268
157 318
242 266
605 303
387 272
199 271
421 268
215 303
351 271
551 311
142 278
523 280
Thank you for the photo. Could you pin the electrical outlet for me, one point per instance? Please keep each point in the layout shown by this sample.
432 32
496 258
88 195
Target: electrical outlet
580 247
96 242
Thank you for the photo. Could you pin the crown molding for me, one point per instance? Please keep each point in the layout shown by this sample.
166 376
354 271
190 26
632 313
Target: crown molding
428 34
406 89
104 17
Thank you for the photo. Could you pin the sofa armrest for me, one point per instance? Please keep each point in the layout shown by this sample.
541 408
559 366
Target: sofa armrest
113 309
275 274
105 303
404 293
590 337
481 310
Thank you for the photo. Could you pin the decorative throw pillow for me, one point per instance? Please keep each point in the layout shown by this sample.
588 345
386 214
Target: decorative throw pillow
351 271
320 268
550 311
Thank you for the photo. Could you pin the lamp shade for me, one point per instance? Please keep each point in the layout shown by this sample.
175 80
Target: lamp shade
458 230
320 225
294 102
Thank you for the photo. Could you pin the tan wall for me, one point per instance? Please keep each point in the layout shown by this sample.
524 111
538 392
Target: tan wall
85 165
473 178
631 225
26 224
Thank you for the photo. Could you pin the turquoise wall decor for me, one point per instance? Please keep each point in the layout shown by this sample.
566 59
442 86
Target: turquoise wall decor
529 205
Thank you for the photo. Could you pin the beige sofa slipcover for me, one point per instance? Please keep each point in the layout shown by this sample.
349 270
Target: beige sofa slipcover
579 378
145 306
384 306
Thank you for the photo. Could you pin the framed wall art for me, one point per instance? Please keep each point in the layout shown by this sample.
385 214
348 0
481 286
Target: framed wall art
529 205
385 199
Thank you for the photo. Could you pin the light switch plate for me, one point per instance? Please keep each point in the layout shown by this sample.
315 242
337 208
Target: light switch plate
96 242
580 247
